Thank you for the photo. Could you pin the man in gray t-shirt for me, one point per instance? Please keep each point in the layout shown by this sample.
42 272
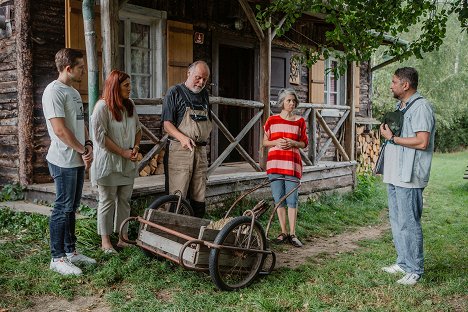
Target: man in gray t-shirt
70 152
407 165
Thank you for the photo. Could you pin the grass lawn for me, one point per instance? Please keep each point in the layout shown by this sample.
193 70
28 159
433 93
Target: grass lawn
346 282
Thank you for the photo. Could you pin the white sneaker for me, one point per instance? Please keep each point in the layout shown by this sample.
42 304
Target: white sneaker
409 279
64 266
76 257
393 269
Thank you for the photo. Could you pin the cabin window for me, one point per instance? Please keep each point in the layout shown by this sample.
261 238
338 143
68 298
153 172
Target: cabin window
334 88
141 43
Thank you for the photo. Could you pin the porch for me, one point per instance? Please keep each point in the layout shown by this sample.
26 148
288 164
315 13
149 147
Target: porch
227 181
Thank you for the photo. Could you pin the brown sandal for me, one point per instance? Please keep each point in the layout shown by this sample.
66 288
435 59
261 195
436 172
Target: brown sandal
295 241
282 238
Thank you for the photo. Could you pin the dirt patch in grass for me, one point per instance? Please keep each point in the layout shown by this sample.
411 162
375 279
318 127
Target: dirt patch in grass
292 257
459 303
79 304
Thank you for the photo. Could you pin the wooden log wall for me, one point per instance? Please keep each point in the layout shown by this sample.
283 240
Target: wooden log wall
9 162
48 24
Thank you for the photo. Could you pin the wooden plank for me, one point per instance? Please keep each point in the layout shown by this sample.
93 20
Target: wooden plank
350 127
235 102
312 130
264 90
166 245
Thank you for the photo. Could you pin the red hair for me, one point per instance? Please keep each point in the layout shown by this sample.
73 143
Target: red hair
111 95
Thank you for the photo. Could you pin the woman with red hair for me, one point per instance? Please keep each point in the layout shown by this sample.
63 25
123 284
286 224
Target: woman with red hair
117 133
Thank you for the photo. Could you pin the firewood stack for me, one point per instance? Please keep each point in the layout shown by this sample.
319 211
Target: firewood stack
155 166
367 148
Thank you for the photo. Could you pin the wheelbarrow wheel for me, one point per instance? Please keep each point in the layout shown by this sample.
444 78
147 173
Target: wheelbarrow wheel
233 269
169 203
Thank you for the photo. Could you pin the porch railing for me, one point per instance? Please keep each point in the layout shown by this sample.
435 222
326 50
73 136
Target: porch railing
311 114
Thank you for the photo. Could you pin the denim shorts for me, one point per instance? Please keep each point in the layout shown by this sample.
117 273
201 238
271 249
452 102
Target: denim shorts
279 188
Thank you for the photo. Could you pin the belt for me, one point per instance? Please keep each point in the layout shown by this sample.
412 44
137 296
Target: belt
196 143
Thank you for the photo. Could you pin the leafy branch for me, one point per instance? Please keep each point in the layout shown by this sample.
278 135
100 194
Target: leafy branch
360 27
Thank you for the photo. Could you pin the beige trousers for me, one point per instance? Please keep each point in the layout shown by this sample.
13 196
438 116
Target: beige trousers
187 170
113 208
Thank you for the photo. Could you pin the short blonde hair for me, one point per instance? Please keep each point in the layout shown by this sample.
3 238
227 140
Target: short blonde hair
283 93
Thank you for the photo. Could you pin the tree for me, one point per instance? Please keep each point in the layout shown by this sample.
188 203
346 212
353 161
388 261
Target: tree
361 26
443 76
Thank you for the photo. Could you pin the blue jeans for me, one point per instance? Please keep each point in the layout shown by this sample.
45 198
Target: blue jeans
279 188
405 209
68 188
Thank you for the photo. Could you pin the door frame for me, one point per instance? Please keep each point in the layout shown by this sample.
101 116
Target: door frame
230 40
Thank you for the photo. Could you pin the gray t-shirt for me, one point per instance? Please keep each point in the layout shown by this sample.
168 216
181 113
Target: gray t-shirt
409 167
62 101
174 105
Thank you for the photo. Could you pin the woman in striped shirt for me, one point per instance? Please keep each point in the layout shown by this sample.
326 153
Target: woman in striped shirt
285 134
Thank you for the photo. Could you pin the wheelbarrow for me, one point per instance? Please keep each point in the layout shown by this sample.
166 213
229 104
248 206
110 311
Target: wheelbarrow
234 250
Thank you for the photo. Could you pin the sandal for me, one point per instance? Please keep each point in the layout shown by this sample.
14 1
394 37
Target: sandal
295 241
282 238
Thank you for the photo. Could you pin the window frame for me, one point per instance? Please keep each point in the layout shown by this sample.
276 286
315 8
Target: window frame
340 84
156 20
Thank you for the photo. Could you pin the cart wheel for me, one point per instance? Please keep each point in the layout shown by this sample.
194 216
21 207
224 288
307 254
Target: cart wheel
169 203
234 269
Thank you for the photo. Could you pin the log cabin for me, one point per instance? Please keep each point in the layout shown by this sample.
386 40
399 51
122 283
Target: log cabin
155 41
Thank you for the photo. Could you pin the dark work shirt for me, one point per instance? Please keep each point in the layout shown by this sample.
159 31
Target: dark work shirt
174 105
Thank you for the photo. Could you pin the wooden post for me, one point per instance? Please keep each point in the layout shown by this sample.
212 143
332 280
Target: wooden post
91 54
349 139
25 90
265 72
313 142
110 35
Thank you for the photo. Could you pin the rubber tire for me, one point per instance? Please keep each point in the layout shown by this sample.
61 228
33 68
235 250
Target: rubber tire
186 209
215 252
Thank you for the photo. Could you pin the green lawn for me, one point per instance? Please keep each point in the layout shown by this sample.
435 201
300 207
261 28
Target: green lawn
348 282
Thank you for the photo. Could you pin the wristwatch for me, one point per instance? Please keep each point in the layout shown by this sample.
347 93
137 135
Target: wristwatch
392 139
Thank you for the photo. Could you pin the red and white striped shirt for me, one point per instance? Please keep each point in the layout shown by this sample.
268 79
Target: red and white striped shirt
287 162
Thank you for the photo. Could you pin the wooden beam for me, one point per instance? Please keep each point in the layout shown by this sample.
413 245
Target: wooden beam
110 34
231 146
264 90
24 62
253 21
149 134
305 158
231 139
155 150
280 24
324 147
349 139
313 142
331 135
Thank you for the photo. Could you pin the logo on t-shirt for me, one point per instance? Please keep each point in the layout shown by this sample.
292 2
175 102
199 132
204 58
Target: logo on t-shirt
80 114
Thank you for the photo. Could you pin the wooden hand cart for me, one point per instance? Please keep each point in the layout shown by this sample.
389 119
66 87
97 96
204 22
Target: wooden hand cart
233 255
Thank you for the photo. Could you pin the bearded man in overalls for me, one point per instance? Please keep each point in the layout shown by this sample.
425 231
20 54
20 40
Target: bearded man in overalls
186 118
